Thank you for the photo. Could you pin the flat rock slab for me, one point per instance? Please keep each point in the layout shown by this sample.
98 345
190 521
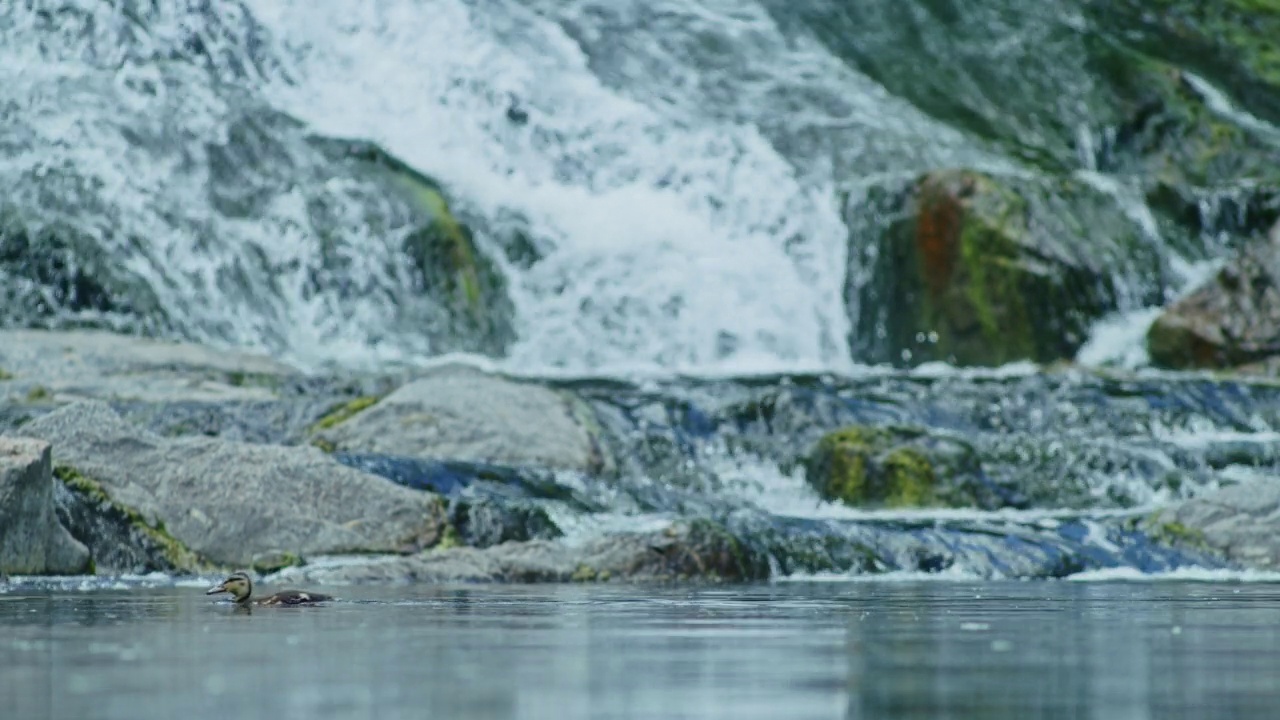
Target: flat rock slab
462 413
1242 522
698 550
229 501
32 541
62 366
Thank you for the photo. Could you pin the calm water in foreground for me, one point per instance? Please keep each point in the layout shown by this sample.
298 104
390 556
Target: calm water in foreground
814 650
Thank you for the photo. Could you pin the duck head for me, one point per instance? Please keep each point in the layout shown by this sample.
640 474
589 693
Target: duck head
237 584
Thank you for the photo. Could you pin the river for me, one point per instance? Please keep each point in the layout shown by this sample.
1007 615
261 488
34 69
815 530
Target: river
903 649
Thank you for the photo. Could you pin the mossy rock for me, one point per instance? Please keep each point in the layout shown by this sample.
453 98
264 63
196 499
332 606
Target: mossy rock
342 412
441 247
270 562
895 467
119 538
1231 42
706 550
985 270
1173 533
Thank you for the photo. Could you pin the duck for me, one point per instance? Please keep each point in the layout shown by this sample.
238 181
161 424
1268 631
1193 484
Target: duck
240 587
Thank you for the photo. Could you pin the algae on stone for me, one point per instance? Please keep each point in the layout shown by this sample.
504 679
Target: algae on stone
983 270
118 536
343 412
896 467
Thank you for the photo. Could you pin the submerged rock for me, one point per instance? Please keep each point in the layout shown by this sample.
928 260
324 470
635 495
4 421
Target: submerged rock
865 466
1232 320
982 270
229 502
32 541
461 413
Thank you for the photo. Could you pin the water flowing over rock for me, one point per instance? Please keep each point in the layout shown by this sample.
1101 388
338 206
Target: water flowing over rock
982 270
32 541
229 502
461 413
1232 321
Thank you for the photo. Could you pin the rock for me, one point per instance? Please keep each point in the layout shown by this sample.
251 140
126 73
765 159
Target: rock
1238 521
687 550
461 413
119 538
32 542
61 366
229 502
448 265
866 466
981 270
1228 41
1231 321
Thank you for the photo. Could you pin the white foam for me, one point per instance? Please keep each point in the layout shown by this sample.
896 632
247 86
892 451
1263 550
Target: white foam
1183 574
672 239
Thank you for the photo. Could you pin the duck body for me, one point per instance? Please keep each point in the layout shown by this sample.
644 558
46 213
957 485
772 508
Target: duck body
292 597
240 587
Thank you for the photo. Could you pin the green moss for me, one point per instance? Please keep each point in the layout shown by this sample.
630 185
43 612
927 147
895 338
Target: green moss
447 239
450 538
5 375
238 378
174 552
324 445
911 479
39 393
273 562
584 573
343 412
989 253
1172 532
873 466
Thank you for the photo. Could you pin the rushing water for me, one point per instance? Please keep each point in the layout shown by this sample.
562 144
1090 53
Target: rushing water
880 649
688 170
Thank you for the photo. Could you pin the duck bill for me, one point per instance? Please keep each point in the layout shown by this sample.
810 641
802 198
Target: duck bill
219 588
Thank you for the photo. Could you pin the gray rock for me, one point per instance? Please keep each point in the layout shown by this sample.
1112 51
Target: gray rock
32 542
64 366
1239 522
461 413
230 501
699 549
1233 320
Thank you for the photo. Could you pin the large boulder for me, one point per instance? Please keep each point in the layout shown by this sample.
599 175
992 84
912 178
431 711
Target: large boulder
233 502
32 541
461 413
1232 320
983 270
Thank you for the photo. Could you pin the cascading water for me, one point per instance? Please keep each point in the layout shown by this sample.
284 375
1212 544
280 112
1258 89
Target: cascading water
694 183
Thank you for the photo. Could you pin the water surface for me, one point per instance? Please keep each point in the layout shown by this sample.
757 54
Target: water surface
789 650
